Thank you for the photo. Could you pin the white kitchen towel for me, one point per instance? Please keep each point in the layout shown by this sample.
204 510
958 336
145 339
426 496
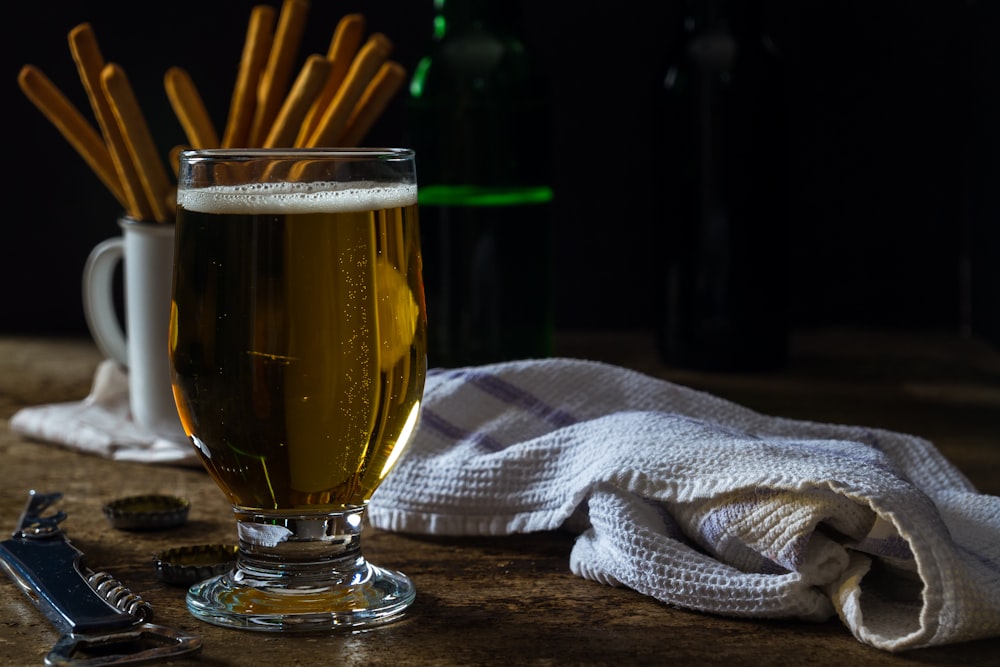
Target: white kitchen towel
704 504
102 424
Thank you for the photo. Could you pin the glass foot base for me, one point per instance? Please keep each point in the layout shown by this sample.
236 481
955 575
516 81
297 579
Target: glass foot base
373 596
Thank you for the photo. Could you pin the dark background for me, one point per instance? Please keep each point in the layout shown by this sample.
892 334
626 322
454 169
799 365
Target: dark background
893 120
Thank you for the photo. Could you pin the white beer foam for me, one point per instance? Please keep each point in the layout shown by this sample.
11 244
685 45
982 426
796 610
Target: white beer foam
315 197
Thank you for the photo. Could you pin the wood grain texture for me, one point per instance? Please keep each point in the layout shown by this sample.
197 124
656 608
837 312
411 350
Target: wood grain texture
509 600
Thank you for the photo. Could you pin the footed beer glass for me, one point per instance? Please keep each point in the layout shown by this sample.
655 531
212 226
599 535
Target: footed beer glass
298 357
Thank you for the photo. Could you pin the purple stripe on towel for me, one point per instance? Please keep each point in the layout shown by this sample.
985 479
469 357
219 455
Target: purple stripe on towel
513 395
891 546
435 422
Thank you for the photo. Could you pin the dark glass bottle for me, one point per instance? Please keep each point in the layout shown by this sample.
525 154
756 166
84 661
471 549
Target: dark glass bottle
725 305
478 120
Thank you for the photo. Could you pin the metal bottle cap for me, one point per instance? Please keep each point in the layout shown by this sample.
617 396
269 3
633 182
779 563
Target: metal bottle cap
150 512
189 565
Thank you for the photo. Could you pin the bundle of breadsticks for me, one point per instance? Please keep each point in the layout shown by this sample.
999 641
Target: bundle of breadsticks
124 155
333 100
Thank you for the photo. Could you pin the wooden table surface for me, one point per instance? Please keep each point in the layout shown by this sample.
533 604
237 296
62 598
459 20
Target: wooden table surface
509 600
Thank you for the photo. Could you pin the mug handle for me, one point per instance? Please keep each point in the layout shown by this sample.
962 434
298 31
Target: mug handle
98 299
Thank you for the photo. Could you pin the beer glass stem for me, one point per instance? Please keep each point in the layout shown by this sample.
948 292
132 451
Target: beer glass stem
301 572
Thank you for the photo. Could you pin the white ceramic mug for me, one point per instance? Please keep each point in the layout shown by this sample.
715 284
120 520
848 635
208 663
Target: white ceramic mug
146 250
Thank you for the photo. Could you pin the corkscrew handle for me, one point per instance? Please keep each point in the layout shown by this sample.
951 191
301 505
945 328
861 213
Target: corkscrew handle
89 608
50 572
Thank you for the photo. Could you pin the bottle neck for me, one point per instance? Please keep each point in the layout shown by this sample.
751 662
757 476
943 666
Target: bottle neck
457 16
742 18
478 109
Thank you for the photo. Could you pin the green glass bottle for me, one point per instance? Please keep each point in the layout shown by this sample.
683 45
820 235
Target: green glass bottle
478 120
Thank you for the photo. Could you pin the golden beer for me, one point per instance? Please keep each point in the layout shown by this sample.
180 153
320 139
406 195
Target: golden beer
298 337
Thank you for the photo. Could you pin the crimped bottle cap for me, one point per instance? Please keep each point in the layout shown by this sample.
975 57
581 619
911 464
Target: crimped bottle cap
189 565
150 512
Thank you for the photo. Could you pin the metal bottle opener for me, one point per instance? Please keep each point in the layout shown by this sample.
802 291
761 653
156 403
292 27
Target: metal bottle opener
102 621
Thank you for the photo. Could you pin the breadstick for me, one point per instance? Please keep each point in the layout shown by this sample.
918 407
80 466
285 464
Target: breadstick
260 33
89 62
365 65
174 156
274 79
72 125
142 148
307 84
343 47
190 108
373 102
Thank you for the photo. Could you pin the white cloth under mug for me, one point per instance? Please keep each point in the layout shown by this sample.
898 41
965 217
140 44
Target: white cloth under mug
146 251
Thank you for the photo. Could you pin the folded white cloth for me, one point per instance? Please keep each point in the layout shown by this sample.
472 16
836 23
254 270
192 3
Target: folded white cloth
704 504
102 424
